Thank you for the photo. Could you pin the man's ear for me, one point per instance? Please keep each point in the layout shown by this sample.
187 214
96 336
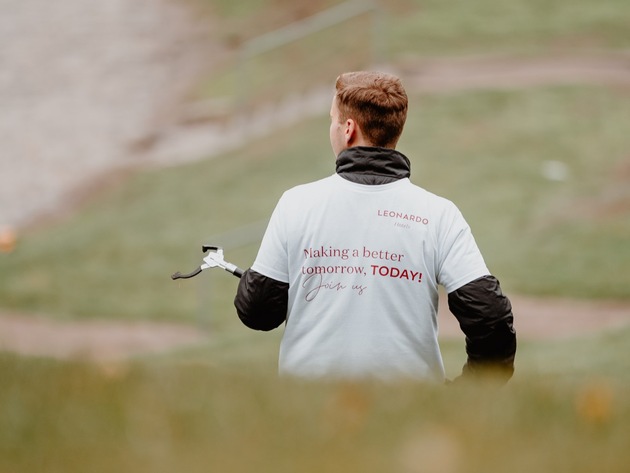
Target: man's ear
350 132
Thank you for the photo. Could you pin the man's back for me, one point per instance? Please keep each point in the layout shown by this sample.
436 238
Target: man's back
363 263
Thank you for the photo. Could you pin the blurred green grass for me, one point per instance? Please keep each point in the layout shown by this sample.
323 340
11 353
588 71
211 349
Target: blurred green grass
230 413
485 150
435 28
401 33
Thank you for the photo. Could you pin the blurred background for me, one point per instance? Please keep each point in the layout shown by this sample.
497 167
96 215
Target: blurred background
134 131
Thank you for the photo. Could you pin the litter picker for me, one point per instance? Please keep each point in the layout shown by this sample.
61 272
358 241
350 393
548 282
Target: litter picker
214 259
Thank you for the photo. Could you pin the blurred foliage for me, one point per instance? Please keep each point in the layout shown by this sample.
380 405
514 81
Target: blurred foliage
193 416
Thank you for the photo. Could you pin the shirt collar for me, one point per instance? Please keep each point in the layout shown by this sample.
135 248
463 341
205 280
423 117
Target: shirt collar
372 165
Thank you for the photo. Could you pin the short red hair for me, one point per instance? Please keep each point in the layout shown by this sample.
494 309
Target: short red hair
377 102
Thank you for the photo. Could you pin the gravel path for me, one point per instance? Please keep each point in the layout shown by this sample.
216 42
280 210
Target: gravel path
535 319
92 340
80 83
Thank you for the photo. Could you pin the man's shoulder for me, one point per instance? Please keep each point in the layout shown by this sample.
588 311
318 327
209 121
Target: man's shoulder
312 186
435 199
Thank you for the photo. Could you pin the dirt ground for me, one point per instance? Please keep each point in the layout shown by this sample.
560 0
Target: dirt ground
112 98
535 319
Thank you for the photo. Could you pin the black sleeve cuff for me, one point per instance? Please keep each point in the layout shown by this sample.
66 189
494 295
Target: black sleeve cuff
261 302
485 316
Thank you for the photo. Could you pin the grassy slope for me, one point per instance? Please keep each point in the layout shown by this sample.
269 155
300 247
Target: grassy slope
434 27
114 258
402 32
484 150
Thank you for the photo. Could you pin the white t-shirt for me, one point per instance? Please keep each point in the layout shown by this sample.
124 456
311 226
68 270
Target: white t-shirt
363 263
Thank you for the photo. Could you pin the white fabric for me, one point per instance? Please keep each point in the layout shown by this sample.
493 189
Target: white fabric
363 264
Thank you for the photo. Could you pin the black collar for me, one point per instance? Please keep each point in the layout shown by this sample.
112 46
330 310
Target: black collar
372 166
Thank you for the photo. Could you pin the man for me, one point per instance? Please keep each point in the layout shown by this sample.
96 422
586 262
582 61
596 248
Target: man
352 262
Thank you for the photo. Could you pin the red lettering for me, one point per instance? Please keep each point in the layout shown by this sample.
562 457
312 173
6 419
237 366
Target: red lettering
393 272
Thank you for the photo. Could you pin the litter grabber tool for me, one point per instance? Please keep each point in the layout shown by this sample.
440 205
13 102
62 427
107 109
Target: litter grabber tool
214 259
